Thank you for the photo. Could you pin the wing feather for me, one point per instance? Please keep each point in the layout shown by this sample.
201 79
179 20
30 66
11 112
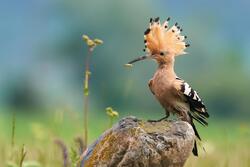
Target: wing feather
197 107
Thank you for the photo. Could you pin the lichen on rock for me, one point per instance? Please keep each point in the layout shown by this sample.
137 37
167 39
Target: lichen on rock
136 143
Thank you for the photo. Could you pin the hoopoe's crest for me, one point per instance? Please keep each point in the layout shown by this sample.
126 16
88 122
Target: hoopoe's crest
160 39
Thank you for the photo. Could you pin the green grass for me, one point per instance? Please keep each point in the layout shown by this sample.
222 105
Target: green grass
226 142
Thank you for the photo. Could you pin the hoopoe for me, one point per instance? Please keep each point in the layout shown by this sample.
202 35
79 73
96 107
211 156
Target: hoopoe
163 44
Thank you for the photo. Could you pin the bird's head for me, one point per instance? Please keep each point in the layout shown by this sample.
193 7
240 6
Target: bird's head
162 43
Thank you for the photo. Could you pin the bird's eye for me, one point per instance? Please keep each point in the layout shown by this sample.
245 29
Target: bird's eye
162 54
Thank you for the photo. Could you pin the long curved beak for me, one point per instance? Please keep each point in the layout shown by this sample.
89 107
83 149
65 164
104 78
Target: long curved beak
139 59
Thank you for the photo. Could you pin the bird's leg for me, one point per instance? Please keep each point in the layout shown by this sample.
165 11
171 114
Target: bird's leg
167 113
159 120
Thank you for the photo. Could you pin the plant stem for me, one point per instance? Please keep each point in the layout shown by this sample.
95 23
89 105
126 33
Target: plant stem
23 154
65 153
110 122
86 99
86 96
13 129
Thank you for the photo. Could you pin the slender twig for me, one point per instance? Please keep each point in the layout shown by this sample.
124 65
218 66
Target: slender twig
86 95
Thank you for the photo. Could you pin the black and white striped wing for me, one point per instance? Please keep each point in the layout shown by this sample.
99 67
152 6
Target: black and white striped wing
192 95
197 107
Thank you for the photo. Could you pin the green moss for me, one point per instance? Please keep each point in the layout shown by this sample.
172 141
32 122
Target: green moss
132 132
108 146
157 127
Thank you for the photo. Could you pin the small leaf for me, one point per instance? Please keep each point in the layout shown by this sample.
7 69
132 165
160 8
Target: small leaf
74 156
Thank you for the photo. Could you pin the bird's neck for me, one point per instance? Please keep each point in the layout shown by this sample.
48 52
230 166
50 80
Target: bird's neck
168 67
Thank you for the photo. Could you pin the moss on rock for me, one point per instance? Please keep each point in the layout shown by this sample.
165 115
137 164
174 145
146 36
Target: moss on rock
133 142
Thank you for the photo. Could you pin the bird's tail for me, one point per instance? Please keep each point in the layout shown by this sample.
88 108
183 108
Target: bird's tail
195 130
195 149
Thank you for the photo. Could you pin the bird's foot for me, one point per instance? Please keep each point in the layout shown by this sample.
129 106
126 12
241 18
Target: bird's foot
159 120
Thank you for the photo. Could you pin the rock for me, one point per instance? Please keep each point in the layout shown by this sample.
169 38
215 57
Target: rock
136 143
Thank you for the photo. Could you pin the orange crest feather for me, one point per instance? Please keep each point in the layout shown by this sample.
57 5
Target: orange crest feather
158 38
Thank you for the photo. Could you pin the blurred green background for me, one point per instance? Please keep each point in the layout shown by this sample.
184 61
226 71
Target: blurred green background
42 70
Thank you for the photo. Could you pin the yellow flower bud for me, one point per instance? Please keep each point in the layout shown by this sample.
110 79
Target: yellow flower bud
90 43
98 41
115 114
85 38
88 72
110 112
